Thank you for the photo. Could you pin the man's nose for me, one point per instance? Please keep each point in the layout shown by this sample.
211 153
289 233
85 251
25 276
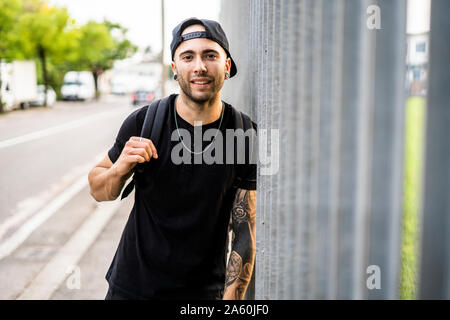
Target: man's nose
200 66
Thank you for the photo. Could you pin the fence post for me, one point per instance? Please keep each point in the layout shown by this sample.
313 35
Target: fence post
435 238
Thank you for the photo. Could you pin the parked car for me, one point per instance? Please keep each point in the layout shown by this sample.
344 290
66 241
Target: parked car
51 96
140 97
78 86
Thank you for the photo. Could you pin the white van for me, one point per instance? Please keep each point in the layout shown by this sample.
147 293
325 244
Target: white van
78 86
19 84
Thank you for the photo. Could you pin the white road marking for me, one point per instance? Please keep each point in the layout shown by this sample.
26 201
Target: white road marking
54 273
57 129
11 243
29 206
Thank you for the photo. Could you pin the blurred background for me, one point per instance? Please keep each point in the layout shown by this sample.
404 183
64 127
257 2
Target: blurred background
358 89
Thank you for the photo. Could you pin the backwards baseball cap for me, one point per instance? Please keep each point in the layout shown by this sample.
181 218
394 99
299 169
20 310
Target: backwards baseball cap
213 31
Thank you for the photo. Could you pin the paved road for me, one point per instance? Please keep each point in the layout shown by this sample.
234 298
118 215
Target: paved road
34 170
48 221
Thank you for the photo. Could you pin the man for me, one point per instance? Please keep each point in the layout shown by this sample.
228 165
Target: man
174 243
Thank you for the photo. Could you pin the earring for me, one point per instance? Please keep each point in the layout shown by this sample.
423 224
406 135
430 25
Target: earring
175 77
227 75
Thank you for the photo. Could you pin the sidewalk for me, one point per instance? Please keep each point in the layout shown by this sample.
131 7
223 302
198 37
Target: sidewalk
95 262
81 236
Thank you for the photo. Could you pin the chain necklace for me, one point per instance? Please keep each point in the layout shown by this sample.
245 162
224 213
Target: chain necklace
181 139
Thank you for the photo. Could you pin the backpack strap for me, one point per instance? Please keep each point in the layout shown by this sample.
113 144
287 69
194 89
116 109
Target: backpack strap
151 128
243 122
153 124
238 119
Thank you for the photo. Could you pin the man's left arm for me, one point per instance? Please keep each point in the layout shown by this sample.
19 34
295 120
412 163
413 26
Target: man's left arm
242 257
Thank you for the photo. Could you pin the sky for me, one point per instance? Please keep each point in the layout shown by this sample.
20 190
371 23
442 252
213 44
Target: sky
418 16
142 18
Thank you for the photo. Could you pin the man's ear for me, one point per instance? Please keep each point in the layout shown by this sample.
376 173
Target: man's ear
174 67
228 65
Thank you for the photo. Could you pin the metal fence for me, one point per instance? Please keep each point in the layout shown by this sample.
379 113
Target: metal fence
331 80
435 250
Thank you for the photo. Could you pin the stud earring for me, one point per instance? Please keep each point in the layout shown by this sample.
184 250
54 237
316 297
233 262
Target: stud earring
227 75
175 77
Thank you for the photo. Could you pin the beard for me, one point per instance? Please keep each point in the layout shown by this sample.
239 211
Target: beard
200 96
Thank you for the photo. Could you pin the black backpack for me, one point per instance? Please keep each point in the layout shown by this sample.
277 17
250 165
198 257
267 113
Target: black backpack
153 125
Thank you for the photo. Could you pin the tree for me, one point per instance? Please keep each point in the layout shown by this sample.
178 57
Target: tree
9 12
46 33
100 44
32 29
123 47
95 46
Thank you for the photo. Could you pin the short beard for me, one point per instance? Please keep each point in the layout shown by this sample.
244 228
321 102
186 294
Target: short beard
185 87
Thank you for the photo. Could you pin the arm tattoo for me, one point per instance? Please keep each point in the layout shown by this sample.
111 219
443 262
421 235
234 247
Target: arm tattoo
234 268
241 208
240 265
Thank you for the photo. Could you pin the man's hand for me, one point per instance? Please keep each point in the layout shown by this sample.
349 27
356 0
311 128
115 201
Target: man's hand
242 257
134 152
106 179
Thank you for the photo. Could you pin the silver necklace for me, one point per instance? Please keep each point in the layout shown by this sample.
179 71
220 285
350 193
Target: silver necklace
179 136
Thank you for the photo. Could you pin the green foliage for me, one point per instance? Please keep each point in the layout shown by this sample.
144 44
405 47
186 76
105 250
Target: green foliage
94 47
414 145
32 29
46 28
56 74
10 10
98 48
99 45
123 48
44 33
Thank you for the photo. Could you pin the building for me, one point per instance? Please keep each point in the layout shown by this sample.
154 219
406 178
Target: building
417 63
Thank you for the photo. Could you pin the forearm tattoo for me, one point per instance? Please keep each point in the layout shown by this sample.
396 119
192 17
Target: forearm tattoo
241 208
234 268
240 265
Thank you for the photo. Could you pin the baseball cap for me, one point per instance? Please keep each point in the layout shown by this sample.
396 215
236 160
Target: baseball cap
213 31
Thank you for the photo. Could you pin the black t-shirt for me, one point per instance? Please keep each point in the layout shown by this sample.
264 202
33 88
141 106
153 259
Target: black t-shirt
174 242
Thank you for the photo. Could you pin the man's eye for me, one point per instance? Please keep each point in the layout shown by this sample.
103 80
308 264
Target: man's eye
187 57
211 56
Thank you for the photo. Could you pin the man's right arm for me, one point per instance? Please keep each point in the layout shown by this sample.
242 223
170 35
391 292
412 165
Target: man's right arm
106 179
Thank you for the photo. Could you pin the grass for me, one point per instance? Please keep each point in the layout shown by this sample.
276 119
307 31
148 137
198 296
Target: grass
414 144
